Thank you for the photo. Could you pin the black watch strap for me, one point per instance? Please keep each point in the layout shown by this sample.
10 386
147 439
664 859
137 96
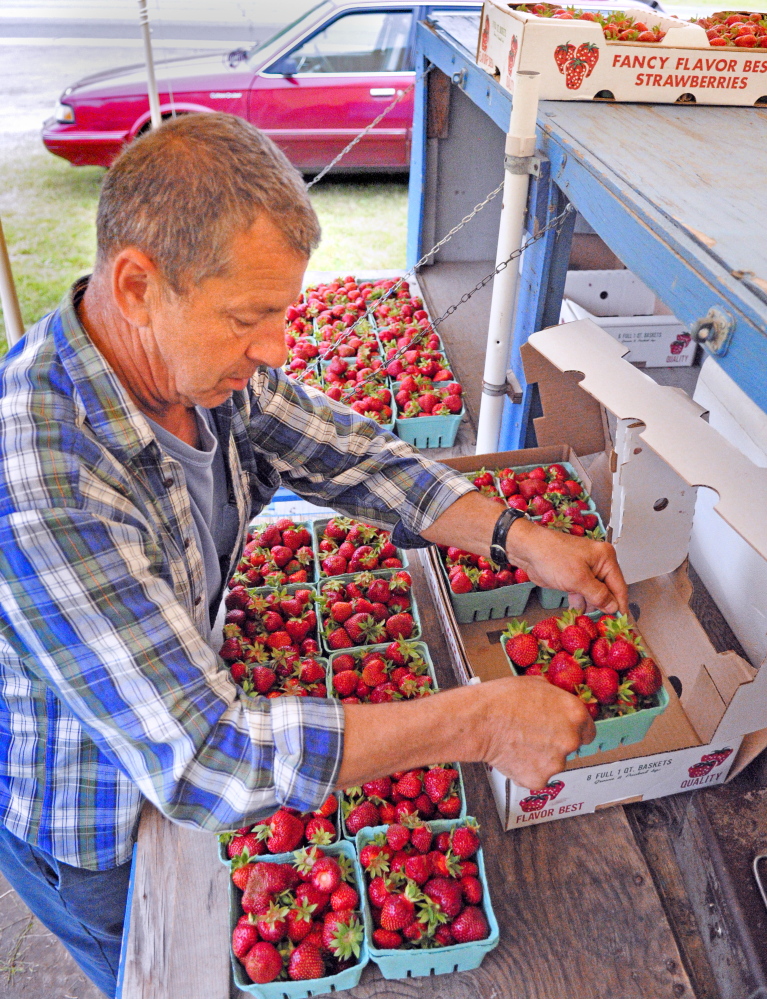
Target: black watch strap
501 529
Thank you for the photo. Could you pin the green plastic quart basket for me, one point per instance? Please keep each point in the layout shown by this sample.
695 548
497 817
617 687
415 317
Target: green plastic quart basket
317 529
417 963
428 431
358 650
486 605
314 987
224 857
348 578
614 732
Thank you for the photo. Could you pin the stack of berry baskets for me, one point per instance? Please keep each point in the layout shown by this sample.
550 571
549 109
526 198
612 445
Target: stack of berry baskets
426 905
554 496
394 671
599 658
285 830
297 929
479 589
303 351
276 555
344 546
367 609
419 795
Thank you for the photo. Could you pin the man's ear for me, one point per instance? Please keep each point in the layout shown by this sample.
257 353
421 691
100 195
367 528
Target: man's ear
135 285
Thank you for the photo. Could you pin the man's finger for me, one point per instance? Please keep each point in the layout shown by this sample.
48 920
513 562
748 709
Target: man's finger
617 585
588 731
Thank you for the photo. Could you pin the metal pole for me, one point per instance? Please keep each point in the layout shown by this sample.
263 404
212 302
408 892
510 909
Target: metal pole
151 82
14 326
520 147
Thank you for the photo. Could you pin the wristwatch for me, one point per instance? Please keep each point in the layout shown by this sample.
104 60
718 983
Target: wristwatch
501 529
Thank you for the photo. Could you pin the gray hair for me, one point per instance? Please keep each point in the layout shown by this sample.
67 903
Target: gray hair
180 193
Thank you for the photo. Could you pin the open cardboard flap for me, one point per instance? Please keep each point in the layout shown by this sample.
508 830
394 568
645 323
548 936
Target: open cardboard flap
672 427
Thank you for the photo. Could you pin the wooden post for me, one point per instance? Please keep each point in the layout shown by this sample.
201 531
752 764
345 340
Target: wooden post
14 326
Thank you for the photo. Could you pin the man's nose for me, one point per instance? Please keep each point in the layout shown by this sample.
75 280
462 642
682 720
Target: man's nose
269 346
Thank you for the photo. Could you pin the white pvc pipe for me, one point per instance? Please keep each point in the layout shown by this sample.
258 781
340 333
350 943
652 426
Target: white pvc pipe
151 82
14 326
520 141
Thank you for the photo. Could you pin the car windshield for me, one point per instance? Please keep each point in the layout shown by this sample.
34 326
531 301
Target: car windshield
270 47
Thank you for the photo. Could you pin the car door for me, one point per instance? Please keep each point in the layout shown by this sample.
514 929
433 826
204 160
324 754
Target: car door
317 97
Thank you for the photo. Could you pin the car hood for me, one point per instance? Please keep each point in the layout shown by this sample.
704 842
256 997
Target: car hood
125 78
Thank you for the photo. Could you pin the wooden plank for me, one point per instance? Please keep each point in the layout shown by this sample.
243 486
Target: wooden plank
178 944
438 105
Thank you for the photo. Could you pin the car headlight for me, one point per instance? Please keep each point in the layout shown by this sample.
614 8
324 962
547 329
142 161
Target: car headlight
64 114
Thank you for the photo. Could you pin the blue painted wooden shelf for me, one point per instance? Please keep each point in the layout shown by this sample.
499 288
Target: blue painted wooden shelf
675 191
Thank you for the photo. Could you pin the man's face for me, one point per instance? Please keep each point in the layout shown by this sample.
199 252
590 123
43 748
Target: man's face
209 342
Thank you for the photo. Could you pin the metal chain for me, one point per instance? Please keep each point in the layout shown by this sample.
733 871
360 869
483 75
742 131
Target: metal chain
358 138
411 272
377 376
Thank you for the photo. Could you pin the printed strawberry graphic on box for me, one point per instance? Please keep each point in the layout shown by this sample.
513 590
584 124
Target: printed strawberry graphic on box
513 49
485 33
534 802
563 54
717 757
589 52
575 72
700 769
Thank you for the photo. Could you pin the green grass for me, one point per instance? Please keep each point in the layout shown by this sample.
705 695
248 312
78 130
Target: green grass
48 211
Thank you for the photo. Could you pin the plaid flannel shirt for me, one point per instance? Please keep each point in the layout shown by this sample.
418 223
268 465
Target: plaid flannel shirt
108 692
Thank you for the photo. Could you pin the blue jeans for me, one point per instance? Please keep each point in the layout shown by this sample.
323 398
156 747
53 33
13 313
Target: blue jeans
85 909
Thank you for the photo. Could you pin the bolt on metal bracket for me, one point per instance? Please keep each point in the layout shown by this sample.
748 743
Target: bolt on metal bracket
459 78
714 330
524 164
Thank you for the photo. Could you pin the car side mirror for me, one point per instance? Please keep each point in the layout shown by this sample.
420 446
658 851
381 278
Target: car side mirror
237 56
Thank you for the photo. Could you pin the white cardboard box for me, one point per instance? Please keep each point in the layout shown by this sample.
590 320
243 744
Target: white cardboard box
682 67
653 341
645 486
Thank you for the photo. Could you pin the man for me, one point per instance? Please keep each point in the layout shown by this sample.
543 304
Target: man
142 424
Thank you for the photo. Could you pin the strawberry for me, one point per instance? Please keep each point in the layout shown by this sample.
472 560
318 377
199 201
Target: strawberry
344 897
263 963
271 878
306 962
464 841
320 830
574 638
378 788
623 655
418 867
365 814
397 836
343 662
603 682
600 652
345 683
645 677
450 808
421 838
339 639
565 672
397 912
249 841
286 832
548 631
272 925
325 874
521 645
386 939
410 785
470 925
299 920
399 626
244 936
437 782
471 888
447 894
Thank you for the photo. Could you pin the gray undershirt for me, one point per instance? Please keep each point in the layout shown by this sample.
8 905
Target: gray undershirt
214 520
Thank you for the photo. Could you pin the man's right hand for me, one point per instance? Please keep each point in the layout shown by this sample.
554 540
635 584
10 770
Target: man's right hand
531 728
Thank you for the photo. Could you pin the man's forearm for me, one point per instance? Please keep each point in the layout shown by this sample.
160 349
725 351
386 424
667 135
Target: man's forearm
525 726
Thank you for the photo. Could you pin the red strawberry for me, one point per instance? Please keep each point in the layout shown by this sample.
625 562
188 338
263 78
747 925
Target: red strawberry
326 874
450 808
249 841
464 841
263 963
365 814
645 677
299 920
241 875
244 936
271 878
286 832
565 672
397 836
410 785
418 867
344 897
272 925
438 781
339 639
399 626
600 652
306 962
378 788
522 649
623 655
603 682
320 830
345 683
548 631
397 912
447 893
421 838
472 889
386 939
460 583
574 637
470 925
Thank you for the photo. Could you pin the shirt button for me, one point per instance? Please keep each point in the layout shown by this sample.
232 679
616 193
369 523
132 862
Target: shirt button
187 542
198 600
167 483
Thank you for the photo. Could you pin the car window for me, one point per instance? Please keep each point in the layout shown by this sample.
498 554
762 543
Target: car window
370 42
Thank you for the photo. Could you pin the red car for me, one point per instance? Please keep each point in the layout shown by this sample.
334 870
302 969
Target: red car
312 88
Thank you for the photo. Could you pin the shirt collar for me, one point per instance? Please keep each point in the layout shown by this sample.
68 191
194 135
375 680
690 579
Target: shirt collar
112 414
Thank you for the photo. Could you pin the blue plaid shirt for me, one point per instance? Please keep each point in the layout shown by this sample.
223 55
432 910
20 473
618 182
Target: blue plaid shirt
108 692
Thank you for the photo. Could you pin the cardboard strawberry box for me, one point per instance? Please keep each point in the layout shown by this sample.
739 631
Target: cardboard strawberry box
644 485
577 62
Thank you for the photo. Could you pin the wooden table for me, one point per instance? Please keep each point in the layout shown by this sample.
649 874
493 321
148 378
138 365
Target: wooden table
598 906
